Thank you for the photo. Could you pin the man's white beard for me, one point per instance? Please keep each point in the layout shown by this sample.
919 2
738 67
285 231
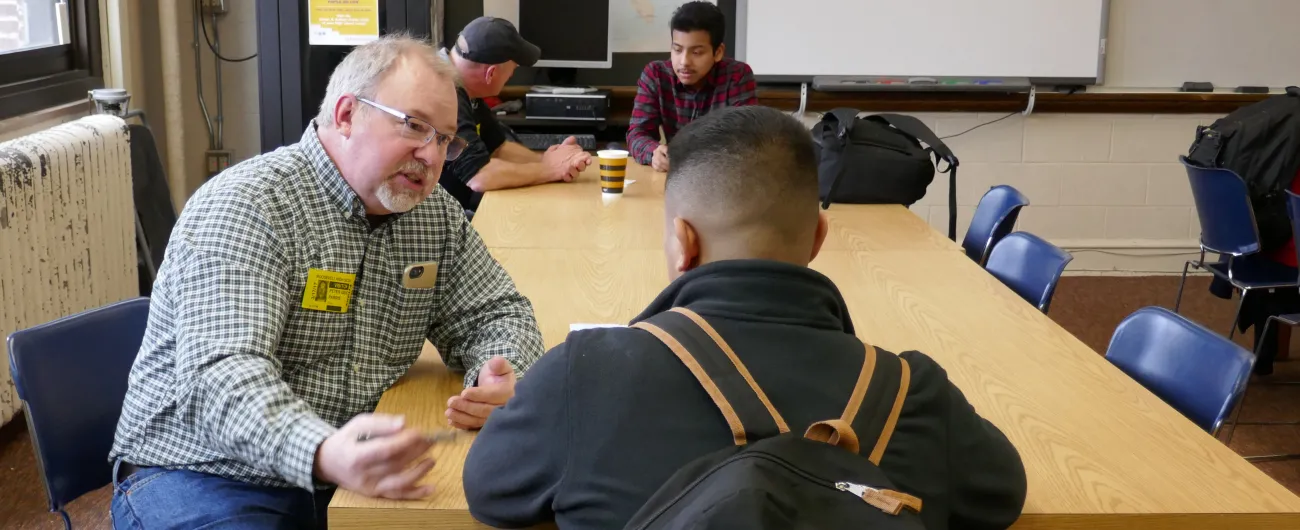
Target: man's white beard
397 200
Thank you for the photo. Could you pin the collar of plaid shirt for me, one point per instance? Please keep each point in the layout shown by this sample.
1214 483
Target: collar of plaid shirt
236 378
718 74
328 176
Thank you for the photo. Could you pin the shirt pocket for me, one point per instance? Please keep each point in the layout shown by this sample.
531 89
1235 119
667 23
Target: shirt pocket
309 335
415 310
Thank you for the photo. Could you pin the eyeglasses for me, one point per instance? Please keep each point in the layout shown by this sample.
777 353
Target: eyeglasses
419 130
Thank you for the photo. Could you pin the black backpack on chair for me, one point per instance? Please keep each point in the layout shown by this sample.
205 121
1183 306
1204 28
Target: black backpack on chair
1259 142
773 478
879 159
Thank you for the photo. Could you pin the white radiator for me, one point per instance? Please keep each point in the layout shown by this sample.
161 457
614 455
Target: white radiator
67 228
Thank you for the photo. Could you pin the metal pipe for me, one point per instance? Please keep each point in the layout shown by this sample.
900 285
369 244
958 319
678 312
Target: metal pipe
173 102
216 64
198 70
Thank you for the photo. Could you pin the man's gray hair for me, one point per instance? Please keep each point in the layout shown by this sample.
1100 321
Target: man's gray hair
365 67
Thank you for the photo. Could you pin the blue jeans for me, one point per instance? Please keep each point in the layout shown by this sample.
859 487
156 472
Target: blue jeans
157 498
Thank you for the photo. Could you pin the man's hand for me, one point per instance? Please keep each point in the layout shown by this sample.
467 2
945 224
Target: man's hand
565 160
380 466
660 160
496 385
572 140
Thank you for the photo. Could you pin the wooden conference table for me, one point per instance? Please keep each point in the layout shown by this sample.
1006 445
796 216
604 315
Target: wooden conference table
1100 451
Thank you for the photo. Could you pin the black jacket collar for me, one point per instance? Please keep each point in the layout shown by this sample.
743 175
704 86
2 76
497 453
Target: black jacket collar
757 290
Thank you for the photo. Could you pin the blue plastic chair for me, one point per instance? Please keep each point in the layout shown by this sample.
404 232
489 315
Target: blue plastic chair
1198 372
1293 211
1030 266
1228 228
71 375
994 218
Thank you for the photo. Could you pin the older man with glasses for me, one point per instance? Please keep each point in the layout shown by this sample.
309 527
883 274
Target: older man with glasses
297 287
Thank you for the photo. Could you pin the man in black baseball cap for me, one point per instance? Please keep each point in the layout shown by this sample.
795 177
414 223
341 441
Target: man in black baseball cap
491 40
486 54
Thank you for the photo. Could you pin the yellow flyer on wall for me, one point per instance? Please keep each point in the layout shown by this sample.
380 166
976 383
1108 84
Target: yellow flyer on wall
342 22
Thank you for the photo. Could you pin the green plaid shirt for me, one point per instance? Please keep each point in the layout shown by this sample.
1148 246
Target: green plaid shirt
235 378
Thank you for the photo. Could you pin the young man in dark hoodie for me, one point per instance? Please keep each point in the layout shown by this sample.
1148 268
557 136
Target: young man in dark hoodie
608 416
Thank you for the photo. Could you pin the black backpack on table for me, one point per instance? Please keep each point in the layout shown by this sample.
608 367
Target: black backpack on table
879 159
1259 142
773 478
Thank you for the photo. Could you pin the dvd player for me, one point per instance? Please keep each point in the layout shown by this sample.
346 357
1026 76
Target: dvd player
568 105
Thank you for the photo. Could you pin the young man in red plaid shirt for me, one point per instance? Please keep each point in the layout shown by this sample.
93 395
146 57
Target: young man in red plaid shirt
695 81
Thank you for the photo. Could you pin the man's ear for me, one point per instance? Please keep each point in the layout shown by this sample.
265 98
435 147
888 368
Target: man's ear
490 73
345 110
687 241
720 51
823 227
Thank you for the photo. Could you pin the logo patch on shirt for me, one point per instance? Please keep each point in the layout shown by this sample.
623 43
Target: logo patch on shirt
328 291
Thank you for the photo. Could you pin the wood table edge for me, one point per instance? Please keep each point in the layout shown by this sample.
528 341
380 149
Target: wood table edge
1158 521
353 517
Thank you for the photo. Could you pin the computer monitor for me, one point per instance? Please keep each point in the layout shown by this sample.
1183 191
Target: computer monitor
571 33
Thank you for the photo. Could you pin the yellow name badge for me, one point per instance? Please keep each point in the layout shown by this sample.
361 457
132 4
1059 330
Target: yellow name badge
328 291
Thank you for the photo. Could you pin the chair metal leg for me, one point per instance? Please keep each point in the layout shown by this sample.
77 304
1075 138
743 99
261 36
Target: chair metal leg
1237 315
1236 416
142 246
1268 323
1273 458
1181 283
1236 420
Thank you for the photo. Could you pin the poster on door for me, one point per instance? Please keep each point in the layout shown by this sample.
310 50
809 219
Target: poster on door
342 22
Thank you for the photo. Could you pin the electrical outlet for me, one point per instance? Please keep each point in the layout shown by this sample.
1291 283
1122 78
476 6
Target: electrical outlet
217 161
211 7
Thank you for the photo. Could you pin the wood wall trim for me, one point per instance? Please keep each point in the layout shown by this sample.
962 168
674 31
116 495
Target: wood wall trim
1086 102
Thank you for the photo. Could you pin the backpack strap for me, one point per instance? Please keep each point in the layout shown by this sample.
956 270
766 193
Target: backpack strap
891 421
884 401
748 412
917 129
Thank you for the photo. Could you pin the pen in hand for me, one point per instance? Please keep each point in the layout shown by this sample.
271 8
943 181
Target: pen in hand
432 437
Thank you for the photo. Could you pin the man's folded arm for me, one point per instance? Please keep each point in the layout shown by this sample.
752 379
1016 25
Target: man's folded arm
643 130
517 153
501 174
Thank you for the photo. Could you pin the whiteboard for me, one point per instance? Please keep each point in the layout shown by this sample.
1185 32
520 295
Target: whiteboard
642 25
1044 40
1161 43
634 25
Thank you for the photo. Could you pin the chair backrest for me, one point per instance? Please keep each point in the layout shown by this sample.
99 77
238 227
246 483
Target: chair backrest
71 374
155 213
1196 371
994 218
1030 266
1223 206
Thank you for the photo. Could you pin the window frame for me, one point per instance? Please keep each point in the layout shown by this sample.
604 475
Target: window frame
41 78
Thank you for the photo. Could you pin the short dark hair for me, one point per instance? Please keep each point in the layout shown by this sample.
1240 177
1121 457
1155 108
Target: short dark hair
746 171
706 16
